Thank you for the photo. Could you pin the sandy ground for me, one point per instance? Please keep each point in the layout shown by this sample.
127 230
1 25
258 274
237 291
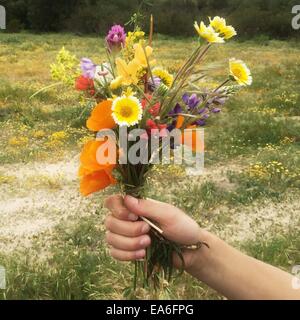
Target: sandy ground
44 195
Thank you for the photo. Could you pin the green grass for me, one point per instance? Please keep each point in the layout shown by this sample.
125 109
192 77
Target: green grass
258 126
78 266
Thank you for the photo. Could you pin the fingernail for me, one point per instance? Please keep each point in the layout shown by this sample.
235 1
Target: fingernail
132 217
145 228
133 200
140 254
144 241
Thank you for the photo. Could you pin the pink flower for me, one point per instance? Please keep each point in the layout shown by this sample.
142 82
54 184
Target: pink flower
116 37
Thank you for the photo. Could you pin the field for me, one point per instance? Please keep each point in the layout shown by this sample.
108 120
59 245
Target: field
51 239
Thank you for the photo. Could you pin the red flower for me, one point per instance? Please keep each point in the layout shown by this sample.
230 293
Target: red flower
151 125
85 84
154 110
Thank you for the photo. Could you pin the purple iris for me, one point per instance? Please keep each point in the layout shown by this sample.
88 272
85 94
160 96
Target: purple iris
116 37
88 68
176 110
197 106
191 101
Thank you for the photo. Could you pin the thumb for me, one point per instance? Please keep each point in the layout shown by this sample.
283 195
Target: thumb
160 212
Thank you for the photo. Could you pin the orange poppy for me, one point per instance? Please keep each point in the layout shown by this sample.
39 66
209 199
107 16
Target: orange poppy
95 181
193 141
101 117
180 122
95 176
89 160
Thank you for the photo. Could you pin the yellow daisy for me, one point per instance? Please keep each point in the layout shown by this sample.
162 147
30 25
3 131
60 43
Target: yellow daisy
164 76
240 72
220 26
127 111
208 33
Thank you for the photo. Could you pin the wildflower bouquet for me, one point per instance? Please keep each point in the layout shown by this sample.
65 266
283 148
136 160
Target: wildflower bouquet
138 105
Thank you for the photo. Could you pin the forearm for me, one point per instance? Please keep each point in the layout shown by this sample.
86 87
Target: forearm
238 276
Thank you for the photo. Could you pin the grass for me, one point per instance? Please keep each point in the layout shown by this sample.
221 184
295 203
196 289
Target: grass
77 266
252 160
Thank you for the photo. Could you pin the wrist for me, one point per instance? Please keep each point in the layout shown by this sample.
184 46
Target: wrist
200 259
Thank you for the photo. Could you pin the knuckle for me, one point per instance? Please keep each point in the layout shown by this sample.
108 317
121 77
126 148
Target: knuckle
137 229
113 253
108 222
135 244
122 212
108 238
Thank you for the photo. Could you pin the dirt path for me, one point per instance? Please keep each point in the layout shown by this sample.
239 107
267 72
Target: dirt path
46 194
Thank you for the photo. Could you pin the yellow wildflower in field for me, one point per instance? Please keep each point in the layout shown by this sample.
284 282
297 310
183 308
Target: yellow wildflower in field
57 139
39 134
18 141
65 68
208 33
220 26
240 72
59 135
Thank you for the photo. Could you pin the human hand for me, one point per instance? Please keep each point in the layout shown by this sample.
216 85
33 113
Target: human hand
129 237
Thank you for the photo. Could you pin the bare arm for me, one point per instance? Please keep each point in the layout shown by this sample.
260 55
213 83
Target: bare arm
238 276
223 268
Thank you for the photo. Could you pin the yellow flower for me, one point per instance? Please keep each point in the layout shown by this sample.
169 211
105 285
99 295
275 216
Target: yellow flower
208 33
164 76
229 32
240 72
219 25
127 72
65 68
141 55
128 92
18 141
39 134
116 83
131 39
127 111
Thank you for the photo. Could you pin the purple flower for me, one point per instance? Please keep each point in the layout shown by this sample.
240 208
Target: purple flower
191 101
215 110
154 84
116 37
176 110
88 68
200 122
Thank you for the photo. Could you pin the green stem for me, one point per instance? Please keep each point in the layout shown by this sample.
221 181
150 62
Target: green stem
46 88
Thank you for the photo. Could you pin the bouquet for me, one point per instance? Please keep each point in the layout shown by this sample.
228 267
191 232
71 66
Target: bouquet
141 114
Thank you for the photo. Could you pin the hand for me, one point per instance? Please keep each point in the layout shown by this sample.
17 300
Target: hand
129 237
